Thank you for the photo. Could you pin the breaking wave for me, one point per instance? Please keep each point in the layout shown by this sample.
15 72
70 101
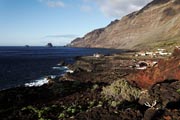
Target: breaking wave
44 80
37 83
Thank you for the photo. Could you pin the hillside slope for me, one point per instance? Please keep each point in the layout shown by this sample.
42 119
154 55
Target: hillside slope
155 25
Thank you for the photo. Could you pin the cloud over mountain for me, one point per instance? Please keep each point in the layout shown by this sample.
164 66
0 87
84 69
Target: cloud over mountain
118 8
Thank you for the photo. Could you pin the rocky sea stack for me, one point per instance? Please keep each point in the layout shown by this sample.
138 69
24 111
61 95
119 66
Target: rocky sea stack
49 45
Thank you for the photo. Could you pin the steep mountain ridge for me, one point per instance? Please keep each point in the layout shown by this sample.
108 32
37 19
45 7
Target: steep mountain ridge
155 25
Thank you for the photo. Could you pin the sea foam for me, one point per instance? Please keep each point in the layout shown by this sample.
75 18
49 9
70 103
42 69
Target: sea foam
37 83
60 68
65 69
44 80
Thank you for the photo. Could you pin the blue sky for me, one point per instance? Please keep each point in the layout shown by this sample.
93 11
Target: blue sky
37 22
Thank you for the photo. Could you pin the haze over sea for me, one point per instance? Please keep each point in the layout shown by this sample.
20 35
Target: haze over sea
21 65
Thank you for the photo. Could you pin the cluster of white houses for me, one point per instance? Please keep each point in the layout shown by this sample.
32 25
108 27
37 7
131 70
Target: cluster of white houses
159 52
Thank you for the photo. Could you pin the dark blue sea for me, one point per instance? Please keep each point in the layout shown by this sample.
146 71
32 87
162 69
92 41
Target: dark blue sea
23 65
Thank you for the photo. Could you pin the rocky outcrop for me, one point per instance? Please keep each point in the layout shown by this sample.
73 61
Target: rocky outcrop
155 25
162 100
49 45
166 69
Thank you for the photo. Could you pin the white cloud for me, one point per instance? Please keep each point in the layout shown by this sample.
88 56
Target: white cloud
53 3
118 8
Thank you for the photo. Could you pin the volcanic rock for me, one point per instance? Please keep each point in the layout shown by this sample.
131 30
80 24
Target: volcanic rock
166 69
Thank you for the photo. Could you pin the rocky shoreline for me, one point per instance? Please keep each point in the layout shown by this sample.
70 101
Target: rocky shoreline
101 88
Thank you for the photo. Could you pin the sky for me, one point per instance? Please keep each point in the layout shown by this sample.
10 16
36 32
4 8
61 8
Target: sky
38 22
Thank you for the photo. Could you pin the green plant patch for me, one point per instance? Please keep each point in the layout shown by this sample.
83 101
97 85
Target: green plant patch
178 91
120 91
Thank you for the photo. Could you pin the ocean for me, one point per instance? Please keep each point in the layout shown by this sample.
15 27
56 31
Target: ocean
29 66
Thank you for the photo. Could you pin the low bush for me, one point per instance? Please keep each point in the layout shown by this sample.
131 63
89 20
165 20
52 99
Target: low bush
120 91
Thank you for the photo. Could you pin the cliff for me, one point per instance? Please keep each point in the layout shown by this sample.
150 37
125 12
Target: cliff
155 25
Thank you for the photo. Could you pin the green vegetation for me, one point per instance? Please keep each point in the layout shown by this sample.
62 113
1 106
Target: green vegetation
58 111
120 91
38 112
178 91
166 44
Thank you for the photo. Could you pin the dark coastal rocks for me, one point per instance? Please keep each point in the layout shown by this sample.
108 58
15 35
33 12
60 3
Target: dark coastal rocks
62 63
101 113
90 64
78 92
83 66
130 114
98 113
161 98
104 69
169 114
66 77
151 114
100 94
13 100
166 93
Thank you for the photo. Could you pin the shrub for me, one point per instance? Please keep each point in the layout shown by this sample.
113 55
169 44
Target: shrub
120 91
